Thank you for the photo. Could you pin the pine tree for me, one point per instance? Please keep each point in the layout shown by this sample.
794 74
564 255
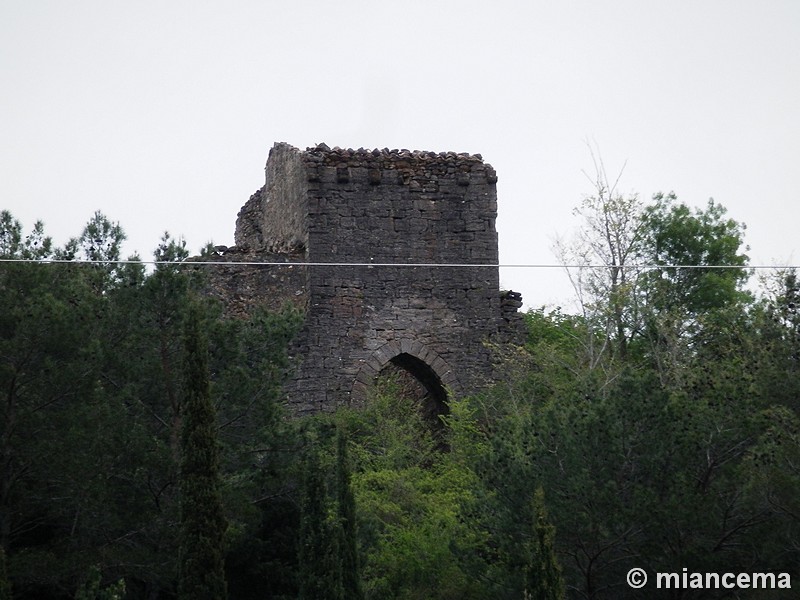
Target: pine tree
203 525
346 506
543 580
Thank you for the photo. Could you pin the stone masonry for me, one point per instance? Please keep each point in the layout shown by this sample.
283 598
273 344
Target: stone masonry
347 214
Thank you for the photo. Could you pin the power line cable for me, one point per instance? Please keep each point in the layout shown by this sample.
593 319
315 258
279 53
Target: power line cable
222 263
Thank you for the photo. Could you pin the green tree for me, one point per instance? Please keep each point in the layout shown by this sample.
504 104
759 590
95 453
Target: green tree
203 524
415 504
142 372
100 244
346 508
636 472
82 352
166 292
606 250
250 362
12 245
5 584
624 304
92 590
776 355
320 568
674 234
543 580
56 473
773 488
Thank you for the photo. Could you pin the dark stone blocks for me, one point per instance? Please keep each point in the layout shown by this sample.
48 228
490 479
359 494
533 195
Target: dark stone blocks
369 207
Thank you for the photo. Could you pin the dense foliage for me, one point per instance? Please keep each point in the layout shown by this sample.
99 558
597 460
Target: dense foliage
656 427
93 384
202 534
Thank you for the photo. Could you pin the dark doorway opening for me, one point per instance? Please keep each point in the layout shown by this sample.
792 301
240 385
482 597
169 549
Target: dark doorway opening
417 381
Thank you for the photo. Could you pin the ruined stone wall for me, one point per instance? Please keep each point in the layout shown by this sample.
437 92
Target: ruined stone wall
243 286
275 219
355 211
398 207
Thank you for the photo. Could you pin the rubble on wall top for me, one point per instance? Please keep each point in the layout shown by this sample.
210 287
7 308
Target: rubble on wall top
416 165
365 154
322 153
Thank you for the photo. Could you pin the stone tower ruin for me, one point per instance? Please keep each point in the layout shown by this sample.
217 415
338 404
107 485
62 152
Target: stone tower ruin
342 223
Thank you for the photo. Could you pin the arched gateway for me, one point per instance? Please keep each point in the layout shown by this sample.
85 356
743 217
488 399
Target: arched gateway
352 219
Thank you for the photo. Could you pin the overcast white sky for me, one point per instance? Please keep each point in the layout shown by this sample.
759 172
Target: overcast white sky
161 113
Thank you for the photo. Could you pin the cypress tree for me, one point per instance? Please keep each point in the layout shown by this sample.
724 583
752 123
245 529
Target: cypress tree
320 563
5 585
346 505
543 579
203 525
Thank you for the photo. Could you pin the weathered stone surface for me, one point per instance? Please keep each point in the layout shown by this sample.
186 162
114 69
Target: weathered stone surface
355 211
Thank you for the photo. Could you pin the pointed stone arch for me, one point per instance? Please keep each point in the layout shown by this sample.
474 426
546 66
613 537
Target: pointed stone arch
419 359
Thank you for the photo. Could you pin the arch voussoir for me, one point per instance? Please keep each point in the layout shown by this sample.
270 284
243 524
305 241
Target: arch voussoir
391 350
